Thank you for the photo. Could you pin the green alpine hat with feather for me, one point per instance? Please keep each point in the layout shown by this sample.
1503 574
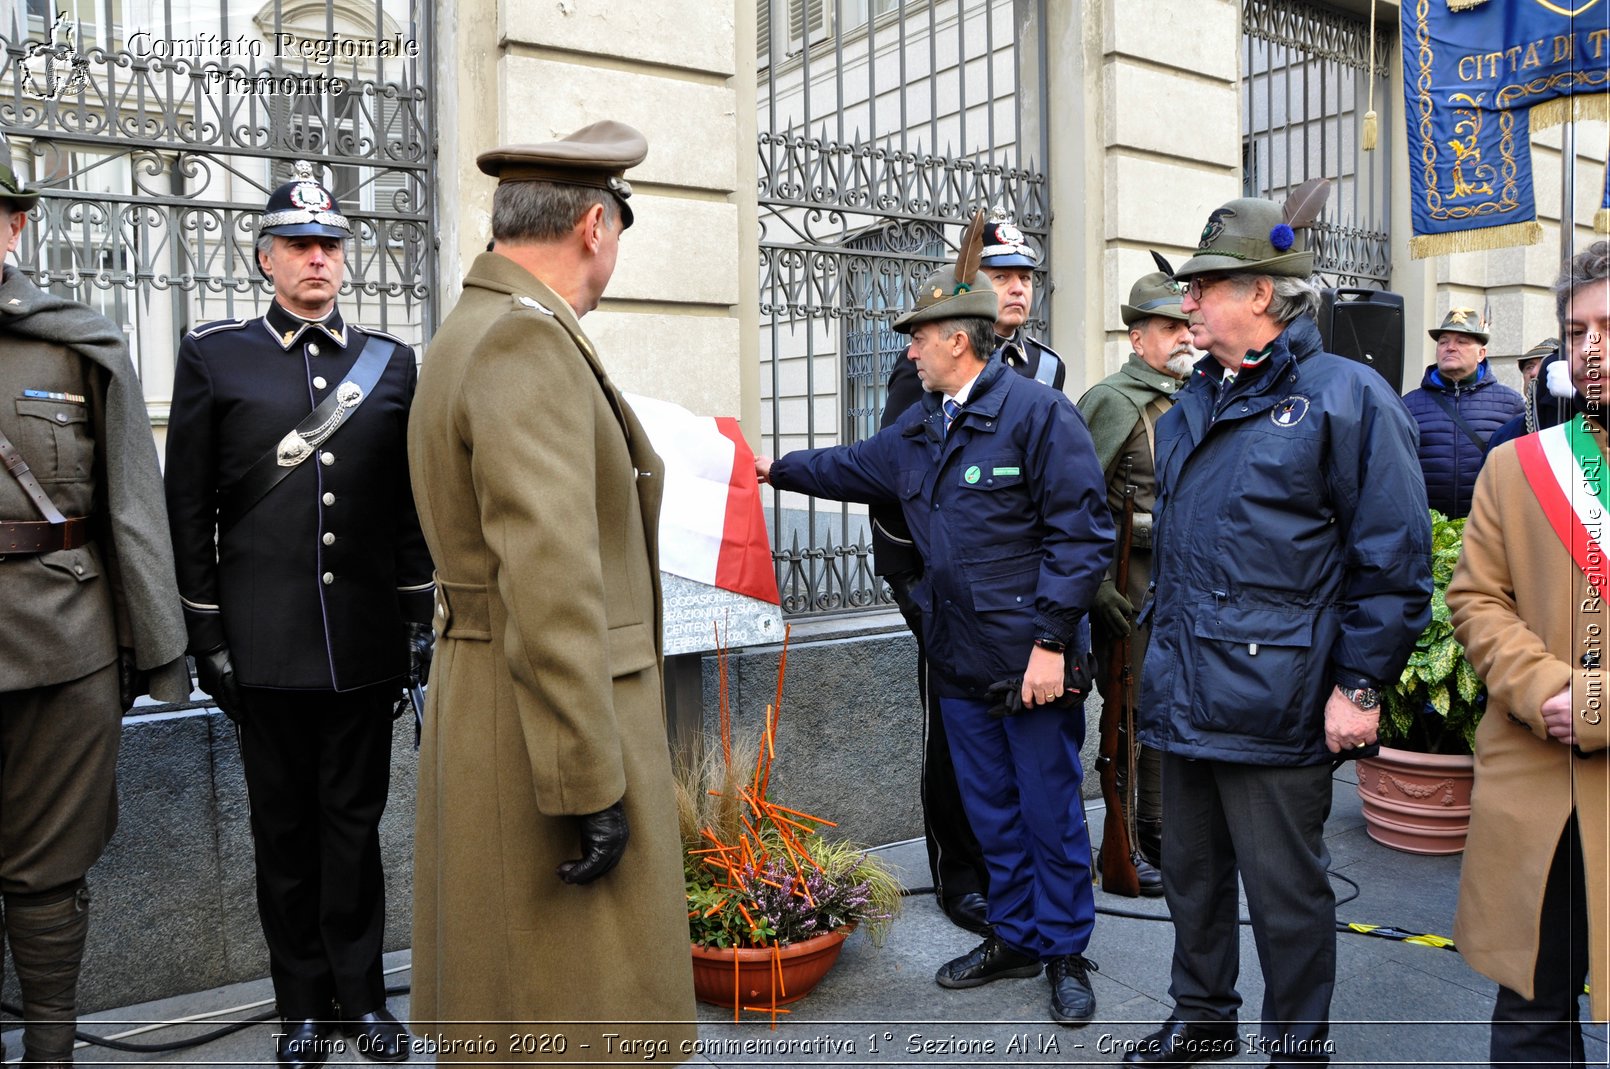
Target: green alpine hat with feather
956 291
1260 237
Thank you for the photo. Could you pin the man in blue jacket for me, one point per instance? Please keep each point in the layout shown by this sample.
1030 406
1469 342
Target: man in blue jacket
997 478
1291 546
1459 406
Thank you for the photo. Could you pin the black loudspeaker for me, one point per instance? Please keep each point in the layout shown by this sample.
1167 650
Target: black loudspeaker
1367 326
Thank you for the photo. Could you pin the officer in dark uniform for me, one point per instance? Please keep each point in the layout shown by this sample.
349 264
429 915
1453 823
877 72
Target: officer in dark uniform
307 590
1009 263
954 858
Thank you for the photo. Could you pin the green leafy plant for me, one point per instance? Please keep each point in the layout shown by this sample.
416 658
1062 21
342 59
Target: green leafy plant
1435 705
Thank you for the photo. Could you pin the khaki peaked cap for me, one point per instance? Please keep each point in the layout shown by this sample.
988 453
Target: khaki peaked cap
596 157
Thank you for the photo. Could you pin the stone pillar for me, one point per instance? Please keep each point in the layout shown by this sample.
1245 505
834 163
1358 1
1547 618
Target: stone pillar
1158 148
670 324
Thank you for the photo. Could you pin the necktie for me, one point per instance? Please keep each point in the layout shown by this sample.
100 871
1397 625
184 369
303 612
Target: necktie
952 410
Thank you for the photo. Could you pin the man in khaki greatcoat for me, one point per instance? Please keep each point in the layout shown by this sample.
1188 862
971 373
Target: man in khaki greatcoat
1528 605
548 869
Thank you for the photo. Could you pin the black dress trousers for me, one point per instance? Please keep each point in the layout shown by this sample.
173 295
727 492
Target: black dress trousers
317 768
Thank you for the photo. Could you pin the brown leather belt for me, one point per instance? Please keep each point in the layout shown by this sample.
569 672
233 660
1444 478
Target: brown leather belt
23 537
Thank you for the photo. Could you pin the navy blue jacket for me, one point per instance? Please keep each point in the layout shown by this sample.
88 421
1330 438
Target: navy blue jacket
893 553
1449 460
1008 512
1291 551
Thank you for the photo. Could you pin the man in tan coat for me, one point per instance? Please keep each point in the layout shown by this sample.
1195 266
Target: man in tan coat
548 884
1528 604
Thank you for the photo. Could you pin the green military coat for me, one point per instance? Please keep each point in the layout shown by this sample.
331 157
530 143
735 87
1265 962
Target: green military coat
539 495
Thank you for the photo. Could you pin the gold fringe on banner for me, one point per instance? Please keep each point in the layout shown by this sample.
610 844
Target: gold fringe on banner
1582 106
1464 5
1480 239
1601 220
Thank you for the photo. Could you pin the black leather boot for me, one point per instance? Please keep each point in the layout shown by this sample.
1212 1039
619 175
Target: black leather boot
1149 839
47 948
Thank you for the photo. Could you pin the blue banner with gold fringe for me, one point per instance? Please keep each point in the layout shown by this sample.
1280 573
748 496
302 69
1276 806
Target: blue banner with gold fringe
1479 76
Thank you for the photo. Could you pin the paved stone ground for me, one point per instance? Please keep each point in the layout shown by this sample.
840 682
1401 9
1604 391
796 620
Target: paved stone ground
1396 1003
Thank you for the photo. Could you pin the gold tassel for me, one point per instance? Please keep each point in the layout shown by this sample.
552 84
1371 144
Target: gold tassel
1481 239
1601 220
1464 5
1369 135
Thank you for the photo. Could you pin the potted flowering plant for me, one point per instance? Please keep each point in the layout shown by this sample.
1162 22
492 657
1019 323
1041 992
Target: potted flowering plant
770 898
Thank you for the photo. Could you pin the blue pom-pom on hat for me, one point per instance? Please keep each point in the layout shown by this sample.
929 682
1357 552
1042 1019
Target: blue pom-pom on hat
1282 237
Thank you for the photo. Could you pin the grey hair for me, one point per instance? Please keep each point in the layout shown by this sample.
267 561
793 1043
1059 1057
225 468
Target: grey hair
1592 264
544 211
265 243
1294 298
980 333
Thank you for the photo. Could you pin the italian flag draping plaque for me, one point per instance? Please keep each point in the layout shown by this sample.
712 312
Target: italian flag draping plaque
715 557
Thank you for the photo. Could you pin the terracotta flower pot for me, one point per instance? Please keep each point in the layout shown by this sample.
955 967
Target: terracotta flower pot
1416 802
716 981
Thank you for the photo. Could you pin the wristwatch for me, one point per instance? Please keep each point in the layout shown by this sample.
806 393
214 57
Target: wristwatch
1364 697
1051 645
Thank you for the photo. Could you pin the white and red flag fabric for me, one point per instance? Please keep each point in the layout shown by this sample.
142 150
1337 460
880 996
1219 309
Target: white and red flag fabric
712 526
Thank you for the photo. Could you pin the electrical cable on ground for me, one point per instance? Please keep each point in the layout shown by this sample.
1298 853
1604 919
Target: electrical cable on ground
120 1043
1378 931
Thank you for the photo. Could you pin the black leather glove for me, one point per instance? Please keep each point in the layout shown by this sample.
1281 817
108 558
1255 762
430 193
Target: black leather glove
215 674
1006 697
603 841
1113 613
421 647
131 682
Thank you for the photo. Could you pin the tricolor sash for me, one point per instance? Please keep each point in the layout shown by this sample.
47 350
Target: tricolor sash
1566 471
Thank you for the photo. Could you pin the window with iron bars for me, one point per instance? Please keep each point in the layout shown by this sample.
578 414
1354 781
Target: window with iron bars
871 345
809 22
1307 70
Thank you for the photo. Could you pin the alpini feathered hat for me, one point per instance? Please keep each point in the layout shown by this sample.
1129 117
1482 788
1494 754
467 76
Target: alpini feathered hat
955 291
1261 237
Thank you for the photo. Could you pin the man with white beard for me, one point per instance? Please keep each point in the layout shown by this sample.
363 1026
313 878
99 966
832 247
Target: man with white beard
1122 411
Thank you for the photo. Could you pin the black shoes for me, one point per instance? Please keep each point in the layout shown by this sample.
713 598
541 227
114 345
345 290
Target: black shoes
301 1044
1151 881
969 911
1072 1000
379 1036
990 960
1147 876
1185 1043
